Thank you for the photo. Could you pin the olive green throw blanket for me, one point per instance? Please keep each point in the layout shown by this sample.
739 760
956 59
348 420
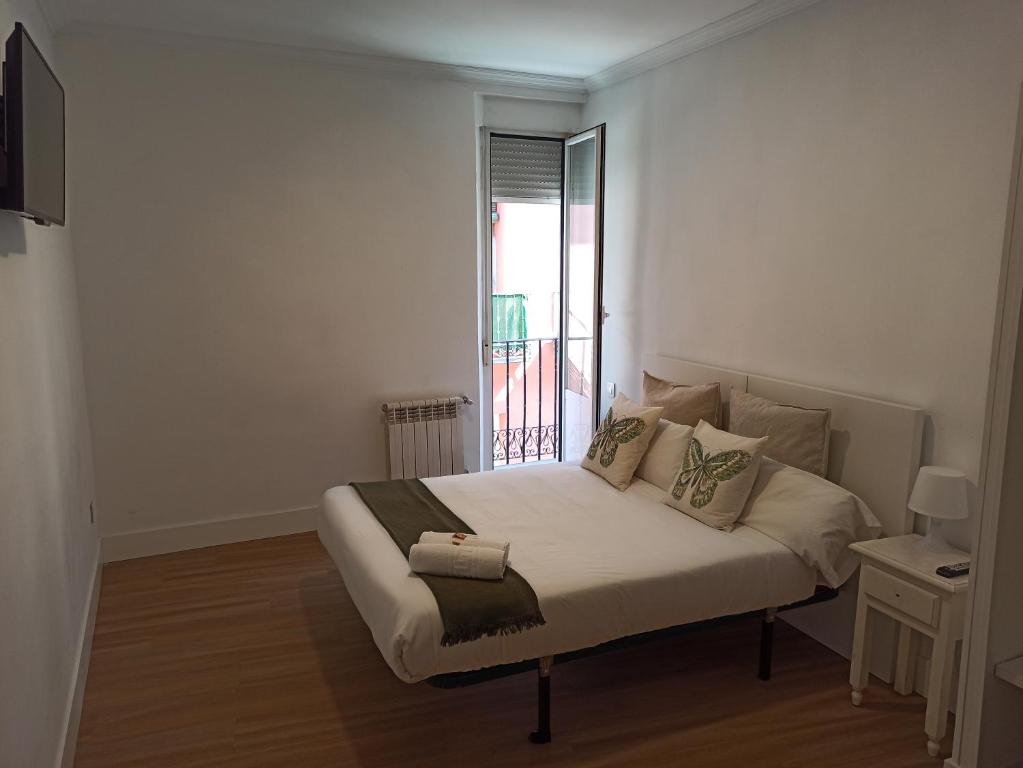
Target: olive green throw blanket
469 608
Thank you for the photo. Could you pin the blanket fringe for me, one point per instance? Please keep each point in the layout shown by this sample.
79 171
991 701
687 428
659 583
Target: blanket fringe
472 632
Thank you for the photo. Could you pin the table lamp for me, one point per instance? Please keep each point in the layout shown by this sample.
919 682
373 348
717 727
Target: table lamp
939 493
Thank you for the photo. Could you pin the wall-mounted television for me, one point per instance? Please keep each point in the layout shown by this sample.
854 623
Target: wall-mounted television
32 182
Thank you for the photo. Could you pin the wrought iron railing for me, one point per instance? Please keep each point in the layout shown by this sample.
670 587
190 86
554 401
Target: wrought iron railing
534 437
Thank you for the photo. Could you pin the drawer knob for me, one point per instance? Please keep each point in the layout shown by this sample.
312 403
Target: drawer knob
897 594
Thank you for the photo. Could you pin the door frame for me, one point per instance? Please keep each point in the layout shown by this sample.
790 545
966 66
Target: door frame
1000 437
597 132
486 281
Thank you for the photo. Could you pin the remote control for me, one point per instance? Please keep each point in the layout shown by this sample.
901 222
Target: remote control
953 570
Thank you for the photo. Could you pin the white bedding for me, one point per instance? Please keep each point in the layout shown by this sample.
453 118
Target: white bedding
604 564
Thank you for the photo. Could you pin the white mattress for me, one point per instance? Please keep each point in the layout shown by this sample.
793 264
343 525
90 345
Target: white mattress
604 565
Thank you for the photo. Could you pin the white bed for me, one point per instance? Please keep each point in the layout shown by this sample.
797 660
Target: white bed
607 564
604 565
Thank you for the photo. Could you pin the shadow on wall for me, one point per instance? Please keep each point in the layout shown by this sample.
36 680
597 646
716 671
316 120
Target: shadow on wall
12 235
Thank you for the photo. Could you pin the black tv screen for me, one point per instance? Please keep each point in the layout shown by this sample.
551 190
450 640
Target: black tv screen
34 132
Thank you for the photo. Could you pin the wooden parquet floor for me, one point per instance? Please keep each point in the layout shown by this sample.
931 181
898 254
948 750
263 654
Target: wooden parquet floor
253 654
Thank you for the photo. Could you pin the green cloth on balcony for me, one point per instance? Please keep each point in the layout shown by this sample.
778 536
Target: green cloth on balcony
509 316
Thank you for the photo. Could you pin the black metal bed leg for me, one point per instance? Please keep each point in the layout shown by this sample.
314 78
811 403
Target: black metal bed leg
766 644
542 734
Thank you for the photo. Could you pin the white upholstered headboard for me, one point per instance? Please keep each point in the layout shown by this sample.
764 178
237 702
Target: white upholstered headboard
875 445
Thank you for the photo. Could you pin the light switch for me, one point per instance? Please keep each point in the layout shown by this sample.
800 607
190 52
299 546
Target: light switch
611 389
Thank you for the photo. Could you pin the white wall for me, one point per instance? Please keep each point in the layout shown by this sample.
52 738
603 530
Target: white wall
530 114
48 549
269 249
821 200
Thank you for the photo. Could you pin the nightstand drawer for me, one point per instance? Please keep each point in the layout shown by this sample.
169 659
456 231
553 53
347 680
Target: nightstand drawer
912 601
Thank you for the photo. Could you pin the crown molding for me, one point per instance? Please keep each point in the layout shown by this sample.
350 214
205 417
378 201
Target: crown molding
498 81
490 81
756 15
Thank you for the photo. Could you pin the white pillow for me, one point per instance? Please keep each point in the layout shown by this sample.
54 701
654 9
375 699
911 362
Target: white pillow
813 517
664 456
716 477
620 441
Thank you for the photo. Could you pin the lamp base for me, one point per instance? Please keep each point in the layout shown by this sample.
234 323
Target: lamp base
934 541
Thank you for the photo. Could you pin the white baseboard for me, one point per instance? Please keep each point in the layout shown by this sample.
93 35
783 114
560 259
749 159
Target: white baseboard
209 533
76 694
831 624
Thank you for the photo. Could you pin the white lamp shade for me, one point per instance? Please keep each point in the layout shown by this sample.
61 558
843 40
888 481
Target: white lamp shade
940 492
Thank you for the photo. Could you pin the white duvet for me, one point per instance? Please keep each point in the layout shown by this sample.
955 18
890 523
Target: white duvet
604 564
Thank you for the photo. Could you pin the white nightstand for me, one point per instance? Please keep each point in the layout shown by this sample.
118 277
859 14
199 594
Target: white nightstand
897 579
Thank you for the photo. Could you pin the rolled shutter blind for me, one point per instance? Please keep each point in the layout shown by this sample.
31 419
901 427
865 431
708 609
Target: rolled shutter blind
525 168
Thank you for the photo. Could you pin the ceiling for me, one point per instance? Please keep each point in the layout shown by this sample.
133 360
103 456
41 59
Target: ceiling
569 38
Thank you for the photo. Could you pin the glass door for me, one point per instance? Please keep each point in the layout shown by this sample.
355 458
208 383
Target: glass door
521 298
582 313
540 295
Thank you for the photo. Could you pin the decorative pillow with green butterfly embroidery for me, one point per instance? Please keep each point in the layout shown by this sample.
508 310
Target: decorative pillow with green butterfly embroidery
716 476
621 440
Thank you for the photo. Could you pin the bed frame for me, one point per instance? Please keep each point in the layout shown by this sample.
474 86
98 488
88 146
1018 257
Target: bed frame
543 666
875 453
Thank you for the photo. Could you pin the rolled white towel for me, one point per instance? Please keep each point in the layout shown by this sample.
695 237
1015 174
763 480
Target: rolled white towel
463 561
464 539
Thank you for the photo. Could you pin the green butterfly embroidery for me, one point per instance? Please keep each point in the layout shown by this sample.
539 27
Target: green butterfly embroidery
702 472
612 434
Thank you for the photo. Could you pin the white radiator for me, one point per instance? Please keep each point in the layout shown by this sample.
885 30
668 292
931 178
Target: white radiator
424 437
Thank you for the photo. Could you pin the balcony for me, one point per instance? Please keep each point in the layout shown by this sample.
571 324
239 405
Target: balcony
525 391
